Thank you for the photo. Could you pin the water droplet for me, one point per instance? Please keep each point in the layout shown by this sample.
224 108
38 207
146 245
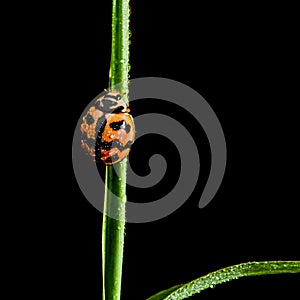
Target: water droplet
122 61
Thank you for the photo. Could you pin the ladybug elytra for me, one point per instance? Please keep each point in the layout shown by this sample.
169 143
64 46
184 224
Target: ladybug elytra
108 129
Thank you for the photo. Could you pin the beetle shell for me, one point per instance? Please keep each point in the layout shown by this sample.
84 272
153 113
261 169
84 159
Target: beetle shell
108 129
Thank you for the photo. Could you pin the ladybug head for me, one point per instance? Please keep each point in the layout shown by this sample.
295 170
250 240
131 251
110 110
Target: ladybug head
111 102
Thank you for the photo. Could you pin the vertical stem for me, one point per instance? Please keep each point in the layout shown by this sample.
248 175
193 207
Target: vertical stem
113 229
119 66
113 233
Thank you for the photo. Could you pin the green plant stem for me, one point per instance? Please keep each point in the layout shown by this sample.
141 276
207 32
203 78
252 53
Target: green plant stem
119 65
183 291
113 232
113 229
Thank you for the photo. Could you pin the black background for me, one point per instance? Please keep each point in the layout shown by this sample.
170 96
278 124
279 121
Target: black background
240 59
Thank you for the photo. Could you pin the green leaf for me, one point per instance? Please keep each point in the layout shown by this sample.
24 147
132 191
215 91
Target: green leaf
210 280
163 294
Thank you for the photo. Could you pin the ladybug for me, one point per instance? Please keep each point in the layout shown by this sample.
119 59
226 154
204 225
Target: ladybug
108 129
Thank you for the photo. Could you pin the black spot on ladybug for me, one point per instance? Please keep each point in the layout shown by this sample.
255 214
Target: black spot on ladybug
105 145
114 144
120 125
128 145
89 119
100 125
97 105
97 152
97 156
99 129
112 159
117 125
108 145
107 104
117 144
127 127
